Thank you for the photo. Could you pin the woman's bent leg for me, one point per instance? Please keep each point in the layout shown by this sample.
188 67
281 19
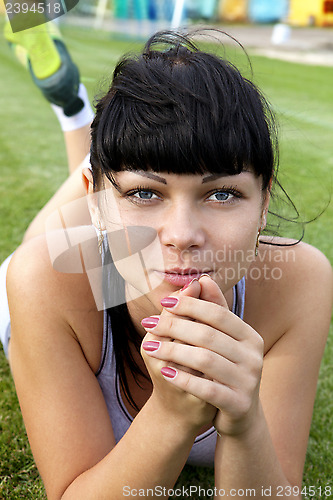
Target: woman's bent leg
72 189
54 80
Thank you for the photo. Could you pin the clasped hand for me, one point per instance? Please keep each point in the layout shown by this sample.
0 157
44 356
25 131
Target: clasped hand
215 358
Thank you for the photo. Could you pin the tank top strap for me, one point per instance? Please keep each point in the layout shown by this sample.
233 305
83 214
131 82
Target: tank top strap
239 298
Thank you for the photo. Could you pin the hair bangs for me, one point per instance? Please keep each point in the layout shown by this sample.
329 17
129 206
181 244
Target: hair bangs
182 111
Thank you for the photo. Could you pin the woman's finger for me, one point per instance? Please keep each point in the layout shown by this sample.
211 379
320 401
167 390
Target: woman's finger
201 360
220 396
206 313
211 292
198 335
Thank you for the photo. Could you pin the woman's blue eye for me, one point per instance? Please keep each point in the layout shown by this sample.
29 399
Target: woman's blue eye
144 195
141 195
221 196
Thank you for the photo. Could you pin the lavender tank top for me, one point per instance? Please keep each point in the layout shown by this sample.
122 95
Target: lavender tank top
203 450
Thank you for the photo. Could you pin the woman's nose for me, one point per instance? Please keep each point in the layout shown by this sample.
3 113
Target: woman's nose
182 228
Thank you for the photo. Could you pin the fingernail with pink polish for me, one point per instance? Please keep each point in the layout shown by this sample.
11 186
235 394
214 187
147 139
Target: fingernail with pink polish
150 322
169 301
151 345
188 284
169 372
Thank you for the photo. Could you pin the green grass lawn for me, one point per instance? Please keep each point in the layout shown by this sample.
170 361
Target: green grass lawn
32 166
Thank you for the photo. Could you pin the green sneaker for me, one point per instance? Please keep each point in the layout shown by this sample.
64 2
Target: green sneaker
43 52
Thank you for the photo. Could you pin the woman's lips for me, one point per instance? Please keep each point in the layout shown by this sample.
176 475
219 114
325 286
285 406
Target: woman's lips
180 279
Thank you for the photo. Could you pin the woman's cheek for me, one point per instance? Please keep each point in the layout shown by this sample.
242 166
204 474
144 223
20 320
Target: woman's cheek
233 258
137 257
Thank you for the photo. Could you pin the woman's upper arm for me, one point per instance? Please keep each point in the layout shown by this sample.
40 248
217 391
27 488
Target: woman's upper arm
291 365
62 405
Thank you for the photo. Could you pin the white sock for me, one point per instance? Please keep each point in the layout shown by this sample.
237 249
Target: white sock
82 118
4 309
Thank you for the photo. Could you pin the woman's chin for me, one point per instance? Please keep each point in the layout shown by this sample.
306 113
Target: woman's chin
150 289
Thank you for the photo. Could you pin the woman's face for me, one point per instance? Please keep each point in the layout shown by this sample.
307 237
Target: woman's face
176 227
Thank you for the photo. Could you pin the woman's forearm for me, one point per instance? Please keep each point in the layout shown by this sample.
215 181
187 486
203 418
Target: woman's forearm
146 461
248 464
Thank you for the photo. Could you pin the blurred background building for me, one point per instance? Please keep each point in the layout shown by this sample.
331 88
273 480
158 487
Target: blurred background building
293 12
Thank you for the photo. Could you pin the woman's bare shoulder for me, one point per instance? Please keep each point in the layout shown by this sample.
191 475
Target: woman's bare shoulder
45 282
51 260
285 284
297 258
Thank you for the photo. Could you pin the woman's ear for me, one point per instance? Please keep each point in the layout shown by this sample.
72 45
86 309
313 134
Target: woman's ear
92 197
87 180
264 212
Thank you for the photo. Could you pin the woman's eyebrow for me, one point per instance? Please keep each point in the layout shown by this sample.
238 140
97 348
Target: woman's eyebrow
150 175
157 178
212 177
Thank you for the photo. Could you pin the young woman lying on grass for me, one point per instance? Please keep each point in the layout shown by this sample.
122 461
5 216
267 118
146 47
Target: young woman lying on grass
173 336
